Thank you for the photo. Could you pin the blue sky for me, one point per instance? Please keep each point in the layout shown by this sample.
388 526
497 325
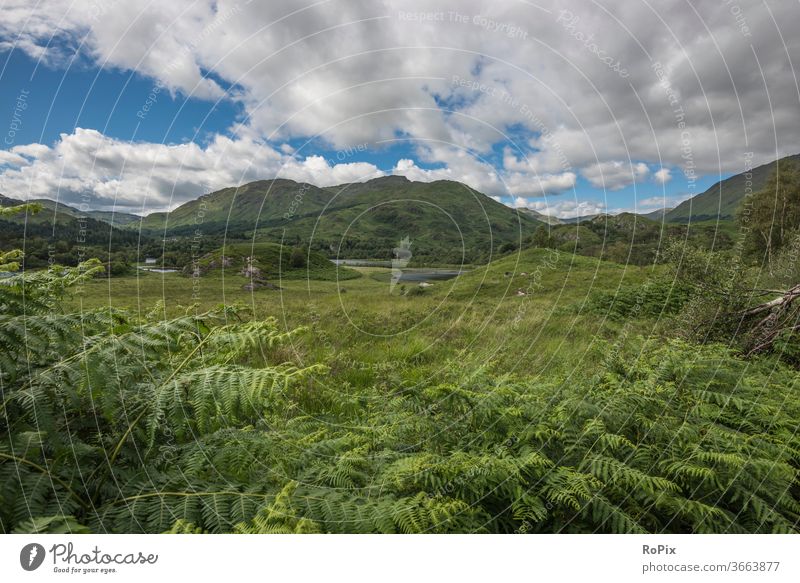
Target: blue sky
327 96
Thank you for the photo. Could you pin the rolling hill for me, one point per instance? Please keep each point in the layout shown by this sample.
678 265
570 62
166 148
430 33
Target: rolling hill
724 198
62 234
444 221
547 219
632 238
54 212
265 203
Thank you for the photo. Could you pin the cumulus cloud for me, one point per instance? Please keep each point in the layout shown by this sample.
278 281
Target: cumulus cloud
564 209
615 175
88 167
410 170
535 184
662 176
697 93
654 203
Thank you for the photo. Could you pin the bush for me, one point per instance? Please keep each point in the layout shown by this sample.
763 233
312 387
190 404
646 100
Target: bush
655 298
297 258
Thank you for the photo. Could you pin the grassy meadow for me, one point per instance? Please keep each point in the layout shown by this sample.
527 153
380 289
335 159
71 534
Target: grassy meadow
365 328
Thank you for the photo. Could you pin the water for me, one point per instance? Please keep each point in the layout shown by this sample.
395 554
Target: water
429 274
362 262
158 269
418 274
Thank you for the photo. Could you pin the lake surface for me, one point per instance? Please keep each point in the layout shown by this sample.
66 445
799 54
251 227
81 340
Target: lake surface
362 262
157 269
429 274
417 274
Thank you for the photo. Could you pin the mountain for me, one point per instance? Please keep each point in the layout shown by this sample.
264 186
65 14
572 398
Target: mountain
115 218
53 212
631 238
583 219
656 215
724 198
264 203
547 219
443 221
62 234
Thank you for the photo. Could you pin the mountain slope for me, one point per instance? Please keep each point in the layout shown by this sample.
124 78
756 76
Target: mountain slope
243 208
54 212
116 218
444 221
547 219
656 215
725 197
61 234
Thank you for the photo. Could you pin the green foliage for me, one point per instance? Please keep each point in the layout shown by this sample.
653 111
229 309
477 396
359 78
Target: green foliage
17 209
121 424
655 298
272 261
630 239
115 422
724 200
447 221
298 257
772 215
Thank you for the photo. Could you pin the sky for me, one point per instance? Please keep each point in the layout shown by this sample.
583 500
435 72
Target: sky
570 108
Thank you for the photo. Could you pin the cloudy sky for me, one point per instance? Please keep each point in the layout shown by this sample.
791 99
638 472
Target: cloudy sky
570 107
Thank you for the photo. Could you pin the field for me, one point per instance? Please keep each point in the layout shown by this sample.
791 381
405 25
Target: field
475 320
545 392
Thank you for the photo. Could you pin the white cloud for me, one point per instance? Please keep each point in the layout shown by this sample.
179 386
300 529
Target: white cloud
662 176
410 170
145 177
565 209
615 175
343 72
653 203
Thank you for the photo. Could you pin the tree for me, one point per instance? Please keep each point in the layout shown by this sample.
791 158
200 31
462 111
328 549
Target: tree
297 258
541 237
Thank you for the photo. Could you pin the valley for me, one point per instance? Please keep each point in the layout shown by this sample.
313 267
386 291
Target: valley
364 371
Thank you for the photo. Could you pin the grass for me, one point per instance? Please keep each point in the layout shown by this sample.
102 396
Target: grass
475 321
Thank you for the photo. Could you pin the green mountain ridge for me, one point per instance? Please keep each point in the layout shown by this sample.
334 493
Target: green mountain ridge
724 198
54 211
445 221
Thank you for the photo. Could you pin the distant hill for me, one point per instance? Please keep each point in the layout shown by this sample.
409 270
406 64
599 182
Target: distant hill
115 218
60 233
444 221
632 238
724 198
547 219
583 219
53 212
261 204
656 215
